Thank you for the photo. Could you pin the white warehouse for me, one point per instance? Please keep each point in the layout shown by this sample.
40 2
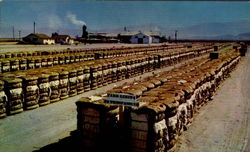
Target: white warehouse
145 38
141 38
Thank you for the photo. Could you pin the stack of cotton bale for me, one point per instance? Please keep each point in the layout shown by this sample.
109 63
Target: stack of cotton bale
119 70
172 121
14 92
114 71
66 59
55 60
105 73
30 63
86 78
14 64
72 58
31 92
64 84
72 82
80 78
61 59
5 65
129 68
3 100
94 122
54 85
93 76
99 77
148 128
38 62
50 61
44 89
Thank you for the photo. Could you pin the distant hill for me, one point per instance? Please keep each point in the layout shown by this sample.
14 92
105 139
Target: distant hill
234 30
226 30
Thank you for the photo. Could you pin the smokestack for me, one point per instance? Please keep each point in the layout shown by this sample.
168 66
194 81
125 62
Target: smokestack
34 27
84 31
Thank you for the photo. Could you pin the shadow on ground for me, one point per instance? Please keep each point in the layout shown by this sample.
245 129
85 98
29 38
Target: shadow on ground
73 144
68 144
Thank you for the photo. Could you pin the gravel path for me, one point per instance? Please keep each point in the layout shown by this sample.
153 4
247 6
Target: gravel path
223 124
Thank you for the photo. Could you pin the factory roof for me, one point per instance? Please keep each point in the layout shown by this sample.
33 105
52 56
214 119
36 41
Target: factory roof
39 35
60 36
130 33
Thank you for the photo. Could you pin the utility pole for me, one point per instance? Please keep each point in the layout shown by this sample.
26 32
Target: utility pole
13 32
19 32
175 36
34 27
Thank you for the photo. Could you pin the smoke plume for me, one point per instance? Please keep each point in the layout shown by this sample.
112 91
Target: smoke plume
74 20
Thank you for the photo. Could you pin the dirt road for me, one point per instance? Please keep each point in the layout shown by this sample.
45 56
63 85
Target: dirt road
223 125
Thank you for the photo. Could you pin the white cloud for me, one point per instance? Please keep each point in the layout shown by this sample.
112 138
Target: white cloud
74 20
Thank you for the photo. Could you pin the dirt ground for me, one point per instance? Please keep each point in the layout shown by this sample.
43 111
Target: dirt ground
223 125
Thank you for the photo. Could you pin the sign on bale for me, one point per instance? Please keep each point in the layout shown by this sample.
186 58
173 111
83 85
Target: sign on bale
121 99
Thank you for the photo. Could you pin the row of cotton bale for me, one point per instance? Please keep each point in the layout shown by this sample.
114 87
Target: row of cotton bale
30 60
168 100
183 94
33 88
34 62
58 82
111 51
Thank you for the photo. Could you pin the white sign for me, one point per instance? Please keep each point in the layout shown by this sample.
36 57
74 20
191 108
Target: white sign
121 99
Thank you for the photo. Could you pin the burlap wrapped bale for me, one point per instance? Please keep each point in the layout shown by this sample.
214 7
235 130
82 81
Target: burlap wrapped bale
38 62
64 84
86 78
14 92
3 100
80 78
54 85
44 62
5 65
148 128
44 89
92 118
31 92
30 63
50 61
93 77
14 64
72 82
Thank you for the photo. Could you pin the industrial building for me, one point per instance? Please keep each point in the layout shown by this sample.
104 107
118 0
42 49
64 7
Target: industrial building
63 39
141 37
38 38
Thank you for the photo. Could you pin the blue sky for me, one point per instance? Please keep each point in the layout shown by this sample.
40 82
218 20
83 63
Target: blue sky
65 16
